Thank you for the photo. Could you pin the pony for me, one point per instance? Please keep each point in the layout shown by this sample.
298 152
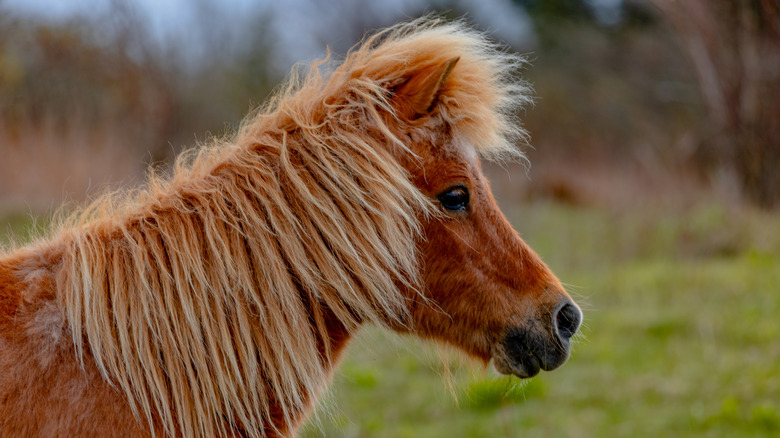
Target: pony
217 300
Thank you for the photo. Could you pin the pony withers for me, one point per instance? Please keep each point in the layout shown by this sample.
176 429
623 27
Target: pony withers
217 301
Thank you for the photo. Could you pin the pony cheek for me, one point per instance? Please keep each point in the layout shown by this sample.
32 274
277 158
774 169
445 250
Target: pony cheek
458 310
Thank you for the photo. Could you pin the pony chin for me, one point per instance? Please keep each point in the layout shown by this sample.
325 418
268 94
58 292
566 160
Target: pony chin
519 368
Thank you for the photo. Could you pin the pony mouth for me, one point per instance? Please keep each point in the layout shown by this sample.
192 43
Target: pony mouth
525 367
524 353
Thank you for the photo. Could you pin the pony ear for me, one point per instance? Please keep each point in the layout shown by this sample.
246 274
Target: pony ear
418 96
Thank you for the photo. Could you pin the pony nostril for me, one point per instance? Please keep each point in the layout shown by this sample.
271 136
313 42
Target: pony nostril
567 321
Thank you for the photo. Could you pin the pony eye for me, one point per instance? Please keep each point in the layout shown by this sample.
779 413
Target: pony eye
454 199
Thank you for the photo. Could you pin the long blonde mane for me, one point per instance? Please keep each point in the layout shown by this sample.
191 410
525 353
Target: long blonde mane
201 296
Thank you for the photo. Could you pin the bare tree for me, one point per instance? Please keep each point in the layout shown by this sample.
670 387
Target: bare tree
734 46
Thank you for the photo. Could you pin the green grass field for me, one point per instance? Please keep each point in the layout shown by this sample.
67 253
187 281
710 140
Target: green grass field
681 338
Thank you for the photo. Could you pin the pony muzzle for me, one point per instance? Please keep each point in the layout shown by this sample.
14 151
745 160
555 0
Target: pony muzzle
538 345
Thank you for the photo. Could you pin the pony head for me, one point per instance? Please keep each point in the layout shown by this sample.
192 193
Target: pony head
451 99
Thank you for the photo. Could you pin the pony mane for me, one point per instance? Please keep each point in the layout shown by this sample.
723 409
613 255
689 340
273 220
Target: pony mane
202 296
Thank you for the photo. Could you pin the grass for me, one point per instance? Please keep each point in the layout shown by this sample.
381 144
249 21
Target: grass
17 228
680 339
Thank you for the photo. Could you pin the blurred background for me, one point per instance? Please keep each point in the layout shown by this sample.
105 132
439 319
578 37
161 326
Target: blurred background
653 193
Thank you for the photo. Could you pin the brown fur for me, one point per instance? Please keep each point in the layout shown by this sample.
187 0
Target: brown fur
217 302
